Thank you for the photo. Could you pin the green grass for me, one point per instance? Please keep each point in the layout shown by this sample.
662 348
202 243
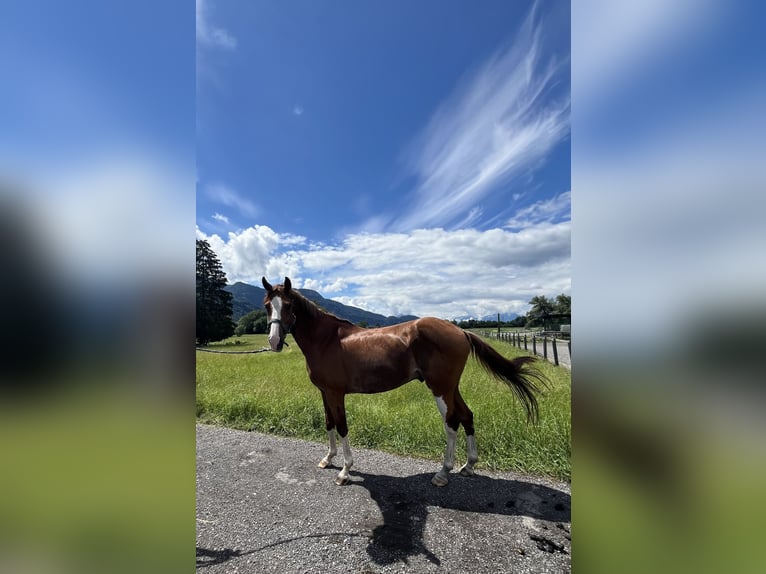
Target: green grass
271 393
97 481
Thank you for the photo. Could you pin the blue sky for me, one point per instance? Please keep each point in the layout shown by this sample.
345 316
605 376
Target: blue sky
97 130
402 157
387 153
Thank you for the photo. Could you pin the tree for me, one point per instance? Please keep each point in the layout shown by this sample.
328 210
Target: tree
252 322
214 307
563 304
541 306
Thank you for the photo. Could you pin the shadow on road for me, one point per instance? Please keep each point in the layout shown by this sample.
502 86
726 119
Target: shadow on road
404 503
207 557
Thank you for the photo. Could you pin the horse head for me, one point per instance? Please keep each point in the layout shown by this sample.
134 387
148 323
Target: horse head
278 302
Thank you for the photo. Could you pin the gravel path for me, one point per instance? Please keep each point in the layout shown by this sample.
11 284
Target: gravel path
264 506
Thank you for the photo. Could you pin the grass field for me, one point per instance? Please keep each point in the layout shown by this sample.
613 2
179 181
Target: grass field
271 393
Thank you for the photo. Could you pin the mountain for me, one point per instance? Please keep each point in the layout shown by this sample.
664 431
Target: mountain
248 298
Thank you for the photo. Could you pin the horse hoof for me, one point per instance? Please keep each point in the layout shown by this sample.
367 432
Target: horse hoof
341 480
465 471
438 480
323 463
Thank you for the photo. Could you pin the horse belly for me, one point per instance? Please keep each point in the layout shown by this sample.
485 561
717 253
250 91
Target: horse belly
377 361
374 376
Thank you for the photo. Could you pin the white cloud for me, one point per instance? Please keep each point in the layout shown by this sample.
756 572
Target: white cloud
115 219
426 272
230 198
542 211
249 254
221 218
210 35
498 124
298 110
326 289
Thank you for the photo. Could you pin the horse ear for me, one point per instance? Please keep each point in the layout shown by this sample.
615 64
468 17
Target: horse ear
267 285
288 285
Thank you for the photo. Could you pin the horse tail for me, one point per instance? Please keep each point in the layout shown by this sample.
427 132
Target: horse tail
520 377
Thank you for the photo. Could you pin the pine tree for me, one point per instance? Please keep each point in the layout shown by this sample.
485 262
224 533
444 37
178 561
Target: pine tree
214 307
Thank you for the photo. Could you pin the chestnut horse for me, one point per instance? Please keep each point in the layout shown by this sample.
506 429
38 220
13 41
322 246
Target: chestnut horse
343 358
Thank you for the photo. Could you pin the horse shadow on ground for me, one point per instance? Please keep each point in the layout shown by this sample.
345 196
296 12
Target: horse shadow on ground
404 504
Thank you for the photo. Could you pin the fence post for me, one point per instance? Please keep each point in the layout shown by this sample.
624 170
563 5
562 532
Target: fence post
569 348
525 341
545 347
534 345
555 353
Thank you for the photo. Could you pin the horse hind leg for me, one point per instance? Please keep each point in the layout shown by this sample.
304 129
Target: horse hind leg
466 419
473 456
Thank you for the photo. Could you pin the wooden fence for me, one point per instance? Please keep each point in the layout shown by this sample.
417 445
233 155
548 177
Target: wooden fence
557 351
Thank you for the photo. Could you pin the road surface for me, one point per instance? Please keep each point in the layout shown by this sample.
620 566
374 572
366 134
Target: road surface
264 506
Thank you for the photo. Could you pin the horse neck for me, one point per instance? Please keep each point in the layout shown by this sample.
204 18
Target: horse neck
312 325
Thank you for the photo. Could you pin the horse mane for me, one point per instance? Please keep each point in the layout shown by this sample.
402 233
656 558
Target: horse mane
312 309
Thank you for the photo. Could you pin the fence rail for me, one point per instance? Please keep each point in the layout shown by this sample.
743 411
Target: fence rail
556 350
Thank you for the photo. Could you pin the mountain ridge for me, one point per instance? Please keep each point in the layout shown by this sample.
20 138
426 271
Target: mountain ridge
247 298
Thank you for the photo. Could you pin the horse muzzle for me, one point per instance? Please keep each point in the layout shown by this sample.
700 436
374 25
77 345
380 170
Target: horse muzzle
276 336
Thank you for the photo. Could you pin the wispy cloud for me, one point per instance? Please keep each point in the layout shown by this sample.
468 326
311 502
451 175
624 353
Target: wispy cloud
230 198
499 123
548 210
210 35
221 218
298 110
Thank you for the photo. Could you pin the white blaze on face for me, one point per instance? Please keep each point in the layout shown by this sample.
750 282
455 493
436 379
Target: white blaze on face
276 315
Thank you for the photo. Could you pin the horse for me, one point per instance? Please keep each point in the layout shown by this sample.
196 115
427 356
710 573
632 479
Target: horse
343 358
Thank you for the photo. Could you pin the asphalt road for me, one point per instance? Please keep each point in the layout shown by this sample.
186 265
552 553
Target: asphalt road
264 506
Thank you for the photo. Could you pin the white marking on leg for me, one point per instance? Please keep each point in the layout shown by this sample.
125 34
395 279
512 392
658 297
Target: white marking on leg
442 406
333 450
276 315
348 461
441 478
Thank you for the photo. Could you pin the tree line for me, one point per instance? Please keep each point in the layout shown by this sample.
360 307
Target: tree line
547 313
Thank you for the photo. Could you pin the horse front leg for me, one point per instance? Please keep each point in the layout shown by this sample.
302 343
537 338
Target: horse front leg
338 408
330 425
331 452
